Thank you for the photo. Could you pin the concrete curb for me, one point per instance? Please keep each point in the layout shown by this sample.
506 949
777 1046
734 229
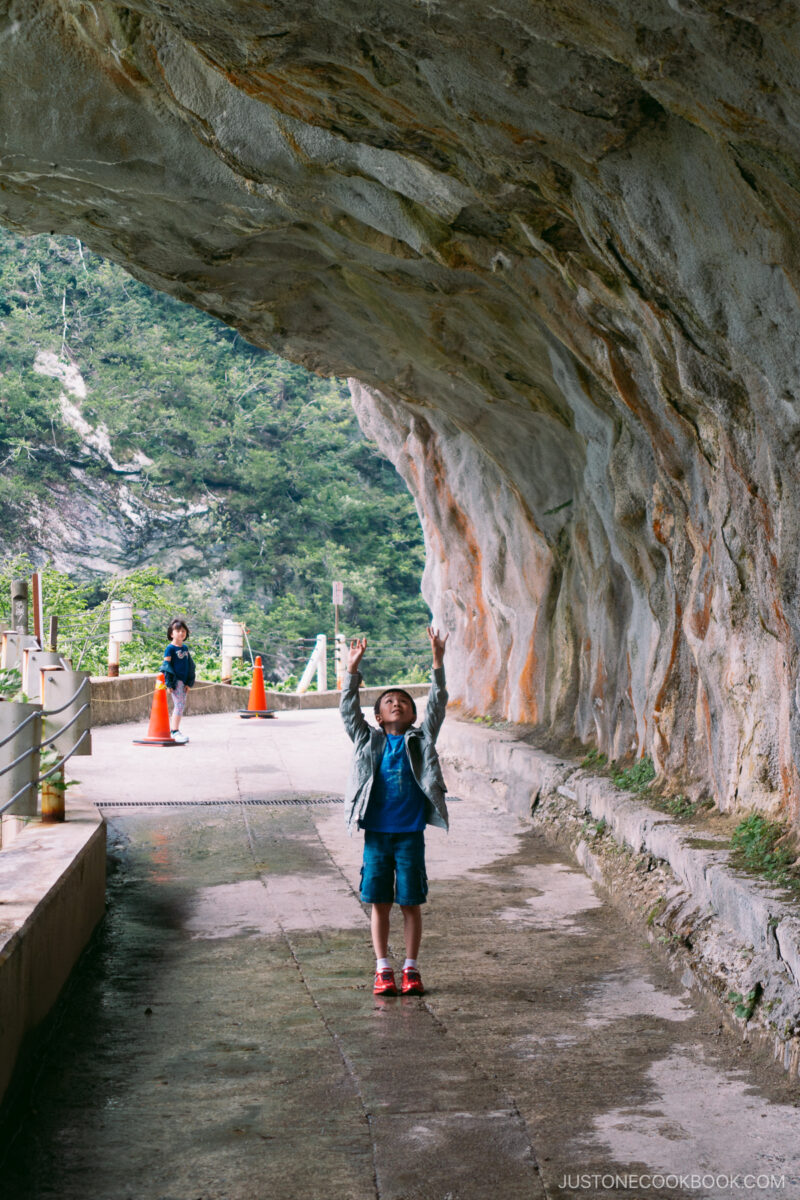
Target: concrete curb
52 895
741 933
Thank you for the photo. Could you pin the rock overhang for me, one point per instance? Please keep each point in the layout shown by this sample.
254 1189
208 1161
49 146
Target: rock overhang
554 247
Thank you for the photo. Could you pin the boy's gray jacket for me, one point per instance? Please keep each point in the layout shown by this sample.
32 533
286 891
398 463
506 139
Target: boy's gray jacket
370 743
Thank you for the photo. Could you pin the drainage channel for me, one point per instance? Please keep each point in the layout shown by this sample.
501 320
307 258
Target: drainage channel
294 802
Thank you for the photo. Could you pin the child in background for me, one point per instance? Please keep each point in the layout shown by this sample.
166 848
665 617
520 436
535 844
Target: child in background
395 789
178 669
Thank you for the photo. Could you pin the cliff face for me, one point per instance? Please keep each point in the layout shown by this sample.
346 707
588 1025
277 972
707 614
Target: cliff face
555 246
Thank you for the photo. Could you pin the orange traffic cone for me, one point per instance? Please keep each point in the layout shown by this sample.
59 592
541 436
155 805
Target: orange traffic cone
257 704
158 733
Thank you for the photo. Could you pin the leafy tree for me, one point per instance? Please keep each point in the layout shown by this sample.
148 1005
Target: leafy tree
293 495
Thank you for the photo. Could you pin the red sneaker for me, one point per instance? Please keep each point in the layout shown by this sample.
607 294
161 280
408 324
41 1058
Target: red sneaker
412 982
384 983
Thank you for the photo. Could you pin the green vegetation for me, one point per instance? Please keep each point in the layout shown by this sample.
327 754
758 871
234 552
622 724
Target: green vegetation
768 848
744 1006
594 829
681 806
48 759
10 684
594 759
636 778
292 495
83 627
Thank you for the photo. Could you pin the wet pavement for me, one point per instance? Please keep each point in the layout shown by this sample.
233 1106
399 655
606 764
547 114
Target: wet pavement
220 1040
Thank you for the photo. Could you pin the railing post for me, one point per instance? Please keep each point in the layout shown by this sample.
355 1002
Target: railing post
338 660
19 605
113 659
53 789
38 617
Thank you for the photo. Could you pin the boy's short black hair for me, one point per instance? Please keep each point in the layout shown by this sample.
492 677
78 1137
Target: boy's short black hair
389 692
177 623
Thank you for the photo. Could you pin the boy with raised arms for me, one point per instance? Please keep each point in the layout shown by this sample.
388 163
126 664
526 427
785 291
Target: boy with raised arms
394 790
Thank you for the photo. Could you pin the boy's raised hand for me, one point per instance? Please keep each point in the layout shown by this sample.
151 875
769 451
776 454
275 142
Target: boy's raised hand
438 644
355 654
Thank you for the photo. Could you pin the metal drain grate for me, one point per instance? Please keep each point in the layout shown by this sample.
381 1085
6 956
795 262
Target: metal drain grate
295 802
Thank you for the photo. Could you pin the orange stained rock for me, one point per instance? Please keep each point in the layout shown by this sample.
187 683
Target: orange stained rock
663 523
457 544
704 723
673 655
698 617
628 391
530 683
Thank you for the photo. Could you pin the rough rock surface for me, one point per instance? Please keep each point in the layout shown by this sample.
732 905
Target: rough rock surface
554 244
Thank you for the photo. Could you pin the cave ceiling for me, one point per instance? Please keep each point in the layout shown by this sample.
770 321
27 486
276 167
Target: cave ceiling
554 246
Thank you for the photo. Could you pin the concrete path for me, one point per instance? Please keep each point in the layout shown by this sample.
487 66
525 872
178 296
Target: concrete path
221 1042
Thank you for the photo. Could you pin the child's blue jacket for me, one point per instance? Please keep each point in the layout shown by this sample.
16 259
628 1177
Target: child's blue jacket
369 746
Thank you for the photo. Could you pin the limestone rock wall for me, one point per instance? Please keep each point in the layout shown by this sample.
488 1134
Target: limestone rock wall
555 246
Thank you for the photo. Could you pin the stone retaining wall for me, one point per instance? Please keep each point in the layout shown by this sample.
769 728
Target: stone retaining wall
52 895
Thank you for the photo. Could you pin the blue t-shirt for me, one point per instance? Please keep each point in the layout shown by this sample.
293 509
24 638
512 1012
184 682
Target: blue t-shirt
396 802
177 660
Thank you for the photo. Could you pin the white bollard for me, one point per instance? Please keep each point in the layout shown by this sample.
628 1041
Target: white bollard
120 629
232 647
322 663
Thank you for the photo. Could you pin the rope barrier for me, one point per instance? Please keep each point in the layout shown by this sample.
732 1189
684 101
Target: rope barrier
199 687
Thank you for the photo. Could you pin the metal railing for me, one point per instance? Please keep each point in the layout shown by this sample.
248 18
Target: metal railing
44 716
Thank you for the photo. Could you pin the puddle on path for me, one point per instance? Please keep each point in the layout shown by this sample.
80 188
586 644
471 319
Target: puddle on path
478 837
314 901
542 1046
704 1120
617 997
232 910
252 908
562 894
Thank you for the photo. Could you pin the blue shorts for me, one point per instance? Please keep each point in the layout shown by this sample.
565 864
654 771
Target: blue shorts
387 854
